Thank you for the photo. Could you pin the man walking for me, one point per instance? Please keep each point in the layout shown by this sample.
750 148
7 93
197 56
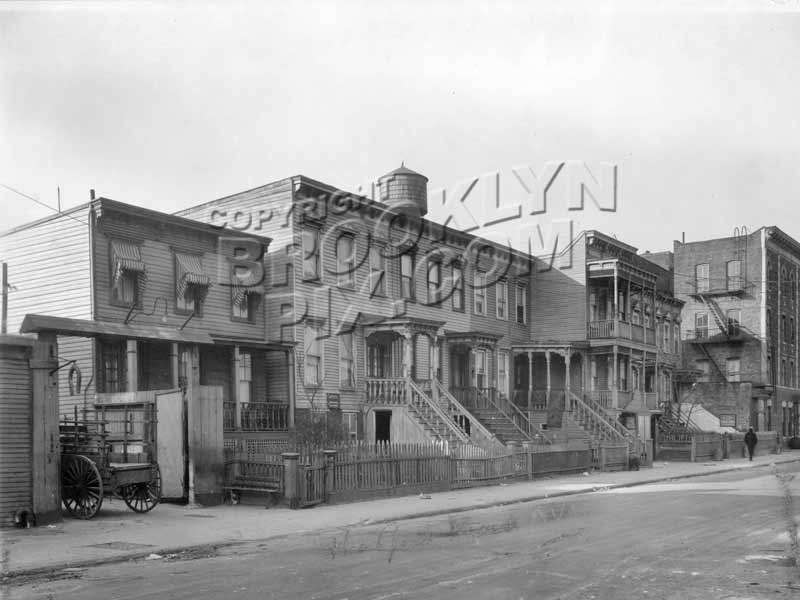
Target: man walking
750 440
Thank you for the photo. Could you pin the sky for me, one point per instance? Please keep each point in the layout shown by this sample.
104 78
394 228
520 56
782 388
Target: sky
166 105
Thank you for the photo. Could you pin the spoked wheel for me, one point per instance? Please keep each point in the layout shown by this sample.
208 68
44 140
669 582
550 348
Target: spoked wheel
144 496
81 486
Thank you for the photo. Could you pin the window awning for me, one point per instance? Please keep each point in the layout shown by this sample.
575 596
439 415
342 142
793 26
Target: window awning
190 272
244 284
126 257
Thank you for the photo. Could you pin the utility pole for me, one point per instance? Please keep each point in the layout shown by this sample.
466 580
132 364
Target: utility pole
4 322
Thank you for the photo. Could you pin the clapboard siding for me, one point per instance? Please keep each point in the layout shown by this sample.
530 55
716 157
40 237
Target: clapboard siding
559 297
49 267
81 350
16 425
158 246
336 305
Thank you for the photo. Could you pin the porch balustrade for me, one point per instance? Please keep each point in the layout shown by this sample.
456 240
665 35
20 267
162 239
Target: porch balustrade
604 398
256 416
611 328
387 391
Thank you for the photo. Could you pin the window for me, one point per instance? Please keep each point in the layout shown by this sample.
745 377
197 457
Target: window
701 283
245 382
113 366
347 376
377 271
782 334
666 326
245 306
648 322
701 326
480 369
313 353
407 276
350 422
791 330
734 316
733 277
191 283
522 303
346 261
703 367
732 369
502 372
311 252
676 337
479 300
769 323
434 282
501 303
128 274
458 288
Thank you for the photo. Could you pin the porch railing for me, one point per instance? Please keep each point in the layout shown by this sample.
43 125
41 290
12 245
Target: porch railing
610 328
419 396
453 407
387 391
604 398
601 329
256 416
538 399
595 420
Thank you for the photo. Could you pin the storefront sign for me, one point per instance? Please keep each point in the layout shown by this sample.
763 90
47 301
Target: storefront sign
727 420
334 401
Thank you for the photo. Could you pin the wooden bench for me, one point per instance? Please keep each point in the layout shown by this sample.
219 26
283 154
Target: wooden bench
253 475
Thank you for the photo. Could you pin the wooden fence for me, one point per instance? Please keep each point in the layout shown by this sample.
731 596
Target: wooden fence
703 446
359 471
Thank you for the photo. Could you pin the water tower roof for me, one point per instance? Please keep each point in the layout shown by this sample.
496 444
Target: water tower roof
403 170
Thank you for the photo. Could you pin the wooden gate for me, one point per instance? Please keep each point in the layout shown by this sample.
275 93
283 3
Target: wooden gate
312 480
171 444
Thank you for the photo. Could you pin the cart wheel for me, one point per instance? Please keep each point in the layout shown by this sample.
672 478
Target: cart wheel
81 486
143 497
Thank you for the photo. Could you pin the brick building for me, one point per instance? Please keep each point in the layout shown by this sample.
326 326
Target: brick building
740 326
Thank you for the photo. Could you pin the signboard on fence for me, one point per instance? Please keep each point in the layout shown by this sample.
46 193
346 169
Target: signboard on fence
727 420
334 401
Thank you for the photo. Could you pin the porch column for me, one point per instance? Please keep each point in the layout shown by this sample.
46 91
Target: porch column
614 374
174 365
192 388
290 386
236 398
547 393
530 381
567 360
616 301
132 374
408 353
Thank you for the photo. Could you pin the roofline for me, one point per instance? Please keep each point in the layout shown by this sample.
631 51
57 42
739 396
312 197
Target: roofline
138 211
41 220
230 196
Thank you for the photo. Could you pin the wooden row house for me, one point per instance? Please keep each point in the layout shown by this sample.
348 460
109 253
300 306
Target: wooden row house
143 303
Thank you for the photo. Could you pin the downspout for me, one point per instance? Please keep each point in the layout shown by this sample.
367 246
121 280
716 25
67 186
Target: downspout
763 309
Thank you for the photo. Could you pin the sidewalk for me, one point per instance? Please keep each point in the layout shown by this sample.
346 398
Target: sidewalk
118 534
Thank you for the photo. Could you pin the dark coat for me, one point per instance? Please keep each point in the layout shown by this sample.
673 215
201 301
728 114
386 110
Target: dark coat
750 439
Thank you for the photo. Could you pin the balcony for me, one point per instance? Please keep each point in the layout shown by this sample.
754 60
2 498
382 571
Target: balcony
713 335
618 329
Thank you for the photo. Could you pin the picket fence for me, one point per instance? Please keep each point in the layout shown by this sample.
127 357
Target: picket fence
358 471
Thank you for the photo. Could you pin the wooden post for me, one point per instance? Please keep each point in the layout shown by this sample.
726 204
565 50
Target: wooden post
528 447
290 384
614 376
530 383
291 462
174 361
693 450
567 361
547 393
237 400
132 381
46 451
330 462
192 388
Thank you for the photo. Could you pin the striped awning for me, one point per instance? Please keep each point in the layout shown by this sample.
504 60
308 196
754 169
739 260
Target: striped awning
245 283
189 271
127 258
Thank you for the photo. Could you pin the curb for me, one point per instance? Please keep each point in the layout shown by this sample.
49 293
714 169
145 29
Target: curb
9 577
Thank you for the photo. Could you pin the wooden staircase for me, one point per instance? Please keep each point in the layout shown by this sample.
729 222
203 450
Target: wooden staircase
598 425
433 420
